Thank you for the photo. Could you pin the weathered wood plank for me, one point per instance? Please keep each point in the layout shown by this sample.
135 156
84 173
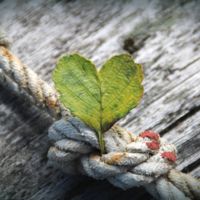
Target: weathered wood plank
167 109
163 36
187 139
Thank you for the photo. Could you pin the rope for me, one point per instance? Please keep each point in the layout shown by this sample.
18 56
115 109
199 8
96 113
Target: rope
4 41
25 82
130 161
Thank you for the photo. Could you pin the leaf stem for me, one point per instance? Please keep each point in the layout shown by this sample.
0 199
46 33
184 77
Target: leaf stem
101 142
100 132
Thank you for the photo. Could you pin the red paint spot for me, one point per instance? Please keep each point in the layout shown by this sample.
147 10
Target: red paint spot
150 134
154 145
169 155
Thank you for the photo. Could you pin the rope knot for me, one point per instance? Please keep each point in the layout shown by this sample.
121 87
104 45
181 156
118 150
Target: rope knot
128 157
130 161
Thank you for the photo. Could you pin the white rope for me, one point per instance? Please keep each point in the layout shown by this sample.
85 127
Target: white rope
130 161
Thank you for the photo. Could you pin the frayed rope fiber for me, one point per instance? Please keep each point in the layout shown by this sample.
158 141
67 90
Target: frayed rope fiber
130 161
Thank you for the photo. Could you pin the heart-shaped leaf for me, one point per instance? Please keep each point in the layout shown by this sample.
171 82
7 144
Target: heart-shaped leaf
99 98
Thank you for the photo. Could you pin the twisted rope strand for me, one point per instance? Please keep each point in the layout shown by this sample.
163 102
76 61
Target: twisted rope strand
24 81
130 161
4 41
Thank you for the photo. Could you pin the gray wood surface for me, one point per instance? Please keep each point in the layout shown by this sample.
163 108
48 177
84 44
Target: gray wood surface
162 35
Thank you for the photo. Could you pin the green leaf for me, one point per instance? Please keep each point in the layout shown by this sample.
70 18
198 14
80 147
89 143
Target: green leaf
121 88
99 98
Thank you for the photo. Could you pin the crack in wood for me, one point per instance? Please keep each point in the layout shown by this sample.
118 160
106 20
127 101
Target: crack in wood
190 113
191 166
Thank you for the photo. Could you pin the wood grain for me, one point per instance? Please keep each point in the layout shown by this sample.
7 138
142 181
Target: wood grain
162 35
